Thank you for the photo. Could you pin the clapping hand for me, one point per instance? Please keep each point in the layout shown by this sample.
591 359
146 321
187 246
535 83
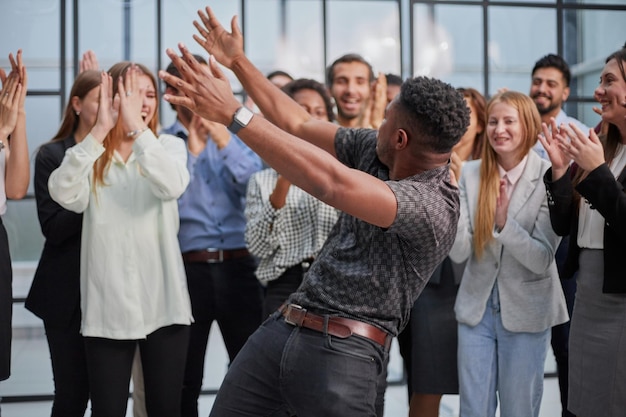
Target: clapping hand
89 61
551 138
502 205
13 95
108 108
375 110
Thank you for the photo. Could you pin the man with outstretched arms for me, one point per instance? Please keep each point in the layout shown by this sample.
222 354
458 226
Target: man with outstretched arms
324 351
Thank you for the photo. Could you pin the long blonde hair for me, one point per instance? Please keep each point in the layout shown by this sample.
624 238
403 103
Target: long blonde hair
489 176
117 134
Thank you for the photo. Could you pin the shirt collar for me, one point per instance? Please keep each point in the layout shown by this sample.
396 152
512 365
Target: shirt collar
514 174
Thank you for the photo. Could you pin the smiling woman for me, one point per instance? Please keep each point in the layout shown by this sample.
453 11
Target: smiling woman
126 181
510 295
590 208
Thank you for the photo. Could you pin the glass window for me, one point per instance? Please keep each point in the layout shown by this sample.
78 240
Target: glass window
33 26
518 36
101 29
23 230
590 43
375 34
448 44
177 26
602 2
286 36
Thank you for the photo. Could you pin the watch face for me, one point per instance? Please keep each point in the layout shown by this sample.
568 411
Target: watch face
243 116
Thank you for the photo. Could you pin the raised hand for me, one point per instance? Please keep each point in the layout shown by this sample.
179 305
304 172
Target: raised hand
12 95
375 111
584 148
502 206
204 90
19 67
551 138
131 100
455 165
224 46
108 108
89 61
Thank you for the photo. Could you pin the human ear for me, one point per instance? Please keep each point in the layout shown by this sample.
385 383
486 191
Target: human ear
402 139
76 104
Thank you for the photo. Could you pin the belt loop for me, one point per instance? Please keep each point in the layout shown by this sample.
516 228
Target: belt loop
325 324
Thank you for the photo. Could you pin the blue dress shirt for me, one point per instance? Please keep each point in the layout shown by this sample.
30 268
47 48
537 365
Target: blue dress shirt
212 208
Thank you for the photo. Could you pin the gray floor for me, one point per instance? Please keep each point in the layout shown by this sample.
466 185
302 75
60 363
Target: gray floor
31 373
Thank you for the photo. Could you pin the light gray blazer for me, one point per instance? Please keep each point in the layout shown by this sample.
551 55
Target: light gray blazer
520 258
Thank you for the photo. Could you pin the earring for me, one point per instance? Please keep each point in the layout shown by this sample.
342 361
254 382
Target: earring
77 113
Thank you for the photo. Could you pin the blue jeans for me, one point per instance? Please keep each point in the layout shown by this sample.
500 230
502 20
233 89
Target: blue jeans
284 370
494 361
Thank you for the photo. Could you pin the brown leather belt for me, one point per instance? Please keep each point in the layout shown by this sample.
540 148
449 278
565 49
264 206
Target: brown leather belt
214 255
337 326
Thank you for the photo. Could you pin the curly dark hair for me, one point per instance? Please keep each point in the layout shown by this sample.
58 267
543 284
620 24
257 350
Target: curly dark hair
294 86
557 62
434 111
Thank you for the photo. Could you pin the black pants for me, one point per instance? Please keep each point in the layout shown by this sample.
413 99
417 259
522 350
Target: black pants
560 333
69 369
278 290
229 293
6 304
109 362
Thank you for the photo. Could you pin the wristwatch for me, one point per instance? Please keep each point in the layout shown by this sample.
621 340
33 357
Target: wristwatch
241 118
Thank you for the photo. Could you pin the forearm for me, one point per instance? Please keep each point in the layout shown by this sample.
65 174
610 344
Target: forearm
164 163
18 166
280 109
325 178
69 184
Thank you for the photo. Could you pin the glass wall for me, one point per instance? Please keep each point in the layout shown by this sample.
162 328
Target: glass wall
486 45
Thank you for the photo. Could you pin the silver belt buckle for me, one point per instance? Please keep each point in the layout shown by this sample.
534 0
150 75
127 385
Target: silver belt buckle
298 314
220 256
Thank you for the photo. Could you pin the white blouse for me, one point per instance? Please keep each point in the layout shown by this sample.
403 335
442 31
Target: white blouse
590 221
132 276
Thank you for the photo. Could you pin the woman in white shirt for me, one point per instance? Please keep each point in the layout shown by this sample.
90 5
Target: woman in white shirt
126 181
510 294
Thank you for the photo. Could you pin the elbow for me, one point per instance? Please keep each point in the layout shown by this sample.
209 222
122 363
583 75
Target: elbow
16 194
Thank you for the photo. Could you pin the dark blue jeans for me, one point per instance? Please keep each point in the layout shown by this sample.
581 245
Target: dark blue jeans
285 370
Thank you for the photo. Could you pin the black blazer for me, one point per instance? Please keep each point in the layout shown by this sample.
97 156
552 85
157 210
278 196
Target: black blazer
54 295
606 195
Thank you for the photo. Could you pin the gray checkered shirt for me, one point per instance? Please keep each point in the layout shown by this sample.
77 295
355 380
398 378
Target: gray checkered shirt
372 274
285 237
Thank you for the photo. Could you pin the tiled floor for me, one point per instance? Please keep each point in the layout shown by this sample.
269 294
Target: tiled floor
31 374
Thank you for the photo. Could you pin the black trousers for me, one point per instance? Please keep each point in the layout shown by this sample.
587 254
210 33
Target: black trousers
560 333
6 304
109 363
278 290
69 369
229 293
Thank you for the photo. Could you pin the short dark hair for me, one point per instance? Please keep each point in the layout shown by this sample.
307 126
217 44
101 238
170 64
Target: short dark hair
557 62
393 79
346 59
434 111
278 73
294 86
